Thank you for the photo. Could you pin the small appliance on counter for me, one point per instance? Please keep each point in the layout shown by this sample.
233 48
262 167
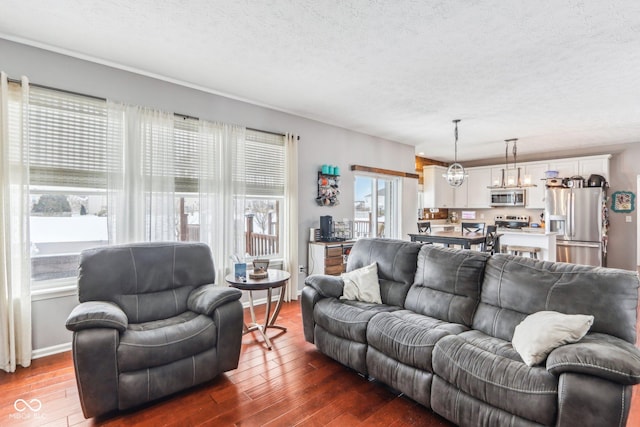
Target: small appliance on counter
511 222
334 231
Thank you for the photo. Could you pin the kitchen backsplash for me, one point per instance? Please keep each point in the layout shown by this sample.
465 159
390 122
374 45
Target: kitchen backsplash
488 215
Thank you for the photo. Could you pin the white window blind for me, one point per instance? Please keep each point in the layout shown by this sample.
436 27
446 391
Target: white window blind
264 164
186 154
67 135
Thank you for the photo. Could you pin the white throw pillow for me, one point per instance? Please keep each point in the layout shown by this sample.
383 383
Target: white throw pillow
362 284
539 333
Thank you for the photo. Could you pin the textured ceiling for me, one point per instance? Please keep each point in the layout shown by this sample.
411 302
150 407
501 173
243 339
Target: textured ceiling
558 75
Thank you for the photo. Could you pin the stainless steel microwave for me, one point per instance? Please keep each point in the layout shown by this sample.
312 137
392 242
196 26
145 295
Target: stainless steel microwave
508 197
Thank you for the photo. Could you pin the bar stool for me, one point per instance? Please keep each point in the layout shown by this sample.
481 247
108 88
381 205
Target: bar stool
533 251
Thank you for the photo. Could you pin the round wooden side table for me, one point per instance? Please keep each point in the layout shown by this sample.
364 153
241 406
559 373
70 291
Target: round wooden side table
275 279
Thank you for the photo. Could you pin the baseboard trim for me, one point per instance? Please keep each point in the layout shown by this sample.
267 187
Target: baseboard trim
49 351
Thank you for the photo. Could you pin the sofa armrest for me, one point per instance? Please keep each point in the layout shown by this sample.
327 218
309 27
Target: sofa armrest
327 286
97 314
601 355
205 299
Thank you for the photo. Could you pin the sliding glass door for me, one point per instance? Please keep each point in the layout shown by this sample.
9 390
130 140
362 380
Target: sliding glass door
376 208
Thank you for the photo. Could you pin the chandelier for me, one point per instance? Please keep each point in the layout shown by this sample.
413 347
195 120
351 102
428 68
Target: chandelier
508 180
455 175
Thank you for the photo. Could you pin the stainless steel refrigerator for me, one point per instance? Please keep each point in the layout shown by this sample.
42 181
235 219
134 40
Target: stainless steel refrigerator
576 214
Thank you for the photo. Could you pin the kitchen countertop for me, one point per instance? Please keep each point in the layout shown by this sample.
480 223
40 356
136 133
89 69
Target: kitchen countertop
528 231
543 239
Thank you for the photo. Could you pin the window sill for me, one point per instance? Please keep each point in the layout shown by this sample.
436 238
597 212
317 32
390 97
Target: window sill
62 289
69 287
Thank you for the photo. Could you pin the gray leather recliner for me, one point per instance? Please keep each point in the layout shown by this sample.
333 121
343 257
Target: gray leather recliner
150 323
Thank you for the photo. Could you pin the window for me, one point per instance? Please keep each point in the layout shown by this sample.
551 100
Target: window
376 207
262 174
70 160
262 227
63 222
264 166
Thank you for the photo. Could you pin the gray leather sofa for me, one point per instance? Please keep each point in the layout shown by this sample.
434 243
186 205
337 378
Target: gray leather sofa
443 332
150 323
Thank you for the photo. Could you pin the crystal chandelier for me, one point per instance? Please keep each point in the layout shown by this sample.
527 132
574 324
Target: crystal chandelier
455 175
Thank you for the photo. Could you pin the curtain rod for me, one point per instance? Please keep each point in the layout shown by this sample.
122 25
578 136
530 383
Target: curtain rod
59 90
99 98
271 133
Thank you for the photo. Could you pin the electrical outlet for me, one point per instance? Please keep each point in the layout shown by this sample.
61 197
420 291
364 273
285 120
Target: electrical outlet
628 218
301 269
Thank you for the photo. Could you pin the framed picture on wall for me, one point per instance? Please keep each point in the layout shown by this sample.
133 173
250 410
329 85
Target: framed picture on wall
623 201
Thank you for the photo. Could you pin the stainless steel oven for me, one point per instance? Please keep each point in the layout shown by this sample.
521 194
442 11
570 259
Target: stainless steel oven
508 197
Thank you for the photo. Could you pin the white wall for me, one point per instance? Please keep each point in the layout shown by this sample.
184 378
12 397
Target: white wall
319 144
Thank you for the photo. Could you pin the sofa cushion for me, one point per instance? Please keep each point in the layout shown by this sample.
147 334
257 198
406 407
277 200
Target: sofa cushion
362 284
447 284
180 336
408 337
487 369
396 261
347 319
541 332
515 287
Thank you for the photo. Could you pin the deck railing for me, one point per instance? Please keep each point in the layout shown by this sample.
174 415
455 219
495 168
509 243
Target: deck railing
361 228
262 244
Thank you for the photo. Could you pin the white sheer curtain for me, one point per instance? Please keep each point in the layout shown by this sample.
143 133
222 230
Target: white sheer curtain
141 192
15 267
290 254
222 191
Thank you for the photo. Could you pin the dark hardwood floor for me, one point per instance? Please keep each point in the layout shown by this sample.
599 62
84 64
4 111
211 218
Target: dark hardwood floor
293 384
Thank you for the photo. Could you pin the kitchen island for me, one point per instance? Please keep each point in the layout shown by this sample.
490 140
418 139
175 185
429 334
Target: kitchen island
542 239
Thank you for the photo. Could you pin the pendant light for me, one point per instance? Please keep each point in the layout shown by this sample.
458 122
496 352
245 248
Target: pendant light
516 181
456 174
508 181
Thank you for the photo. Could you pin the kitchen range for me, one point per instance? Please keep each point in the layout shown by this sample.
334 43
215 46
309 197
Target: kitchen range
517 230
511 222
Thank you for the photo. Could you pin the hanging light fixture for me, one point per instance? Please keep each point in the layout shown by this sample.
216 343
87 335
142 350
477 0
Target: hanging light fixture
515 181
456 174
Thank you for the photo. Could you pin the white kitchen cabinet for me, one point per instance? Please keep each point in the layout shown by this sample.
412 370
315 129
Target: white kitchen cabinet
474 192
566 167
535 195
460 193
478 193
598 165
437 192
